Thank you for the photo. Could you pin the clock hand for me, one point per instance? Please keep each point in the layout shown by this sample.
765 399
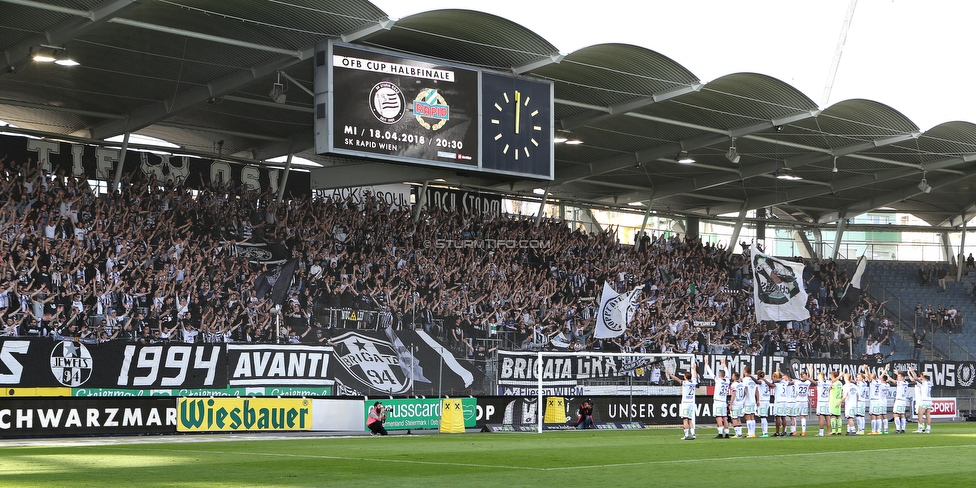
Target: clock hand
518 109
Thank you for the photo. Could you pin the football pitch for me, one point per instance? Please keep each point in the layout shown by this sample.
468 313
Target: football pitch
653 457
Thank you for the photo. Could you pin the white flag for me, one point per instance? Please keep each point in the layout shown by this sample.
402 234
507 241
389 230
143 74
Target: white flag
616 311
778 288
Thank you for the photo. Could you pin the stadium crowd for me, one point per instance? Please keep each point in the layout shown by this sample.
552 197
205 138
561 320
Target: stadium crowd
156 261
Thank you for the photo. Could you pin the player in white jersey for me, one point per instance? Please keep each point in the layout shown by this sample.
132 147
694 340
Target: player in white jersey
885 391
720 401
878 405
849 399
738 392
901 402
789 399
803 400
823 401
862 400
780 384
687 407
751 402
765 392
924 399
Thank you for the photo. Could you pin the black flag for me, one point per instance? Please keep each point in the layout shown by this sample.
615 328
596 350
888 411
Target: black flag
852 292
276 281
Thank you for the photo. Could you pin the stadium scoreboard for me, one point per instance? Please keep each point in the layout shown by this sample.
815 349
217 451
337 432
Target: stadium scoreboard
393 107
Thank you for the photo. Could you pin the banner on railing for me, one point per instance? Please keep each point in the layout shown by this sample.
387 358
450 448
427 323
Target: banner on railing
101 163
356 363
116 364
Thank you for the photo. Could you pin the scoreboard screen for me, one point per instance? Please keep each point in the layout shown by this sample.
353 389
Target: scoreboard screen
398 108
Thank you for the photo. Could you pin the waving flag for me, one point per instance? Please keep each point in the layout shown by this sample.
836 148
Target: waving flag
852 292
778 288
616 311
276 281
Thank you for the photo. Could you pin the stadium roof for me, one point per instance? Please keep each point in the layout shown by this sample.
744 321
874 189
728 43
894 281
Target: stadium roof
194 72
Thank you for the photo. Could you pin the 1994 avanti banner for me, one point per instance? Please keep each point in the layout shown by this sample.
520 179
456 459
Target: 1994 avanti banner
358 363
518 369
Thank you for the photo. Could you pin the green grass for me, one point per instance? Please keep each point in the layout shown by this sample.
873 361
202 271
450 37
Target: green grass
586 458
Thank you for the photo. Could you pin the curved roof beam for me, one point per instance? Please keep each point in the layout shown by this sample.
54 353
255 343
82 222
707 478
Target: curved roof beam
966 214
895 196
64 31
539 63
787 196
163 109
768 167
598 115
667 150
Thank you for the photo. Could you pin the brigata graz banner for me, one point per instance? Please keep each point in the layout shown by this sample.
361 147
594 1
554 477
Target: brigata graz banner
565 371
63 416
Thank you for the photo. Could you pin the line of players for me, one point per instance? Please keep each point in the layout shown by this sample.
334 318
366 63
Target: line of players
743 397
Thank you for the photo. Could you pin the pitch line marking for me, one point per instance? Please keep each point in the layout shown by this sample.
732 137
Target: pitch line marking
560 468
741 458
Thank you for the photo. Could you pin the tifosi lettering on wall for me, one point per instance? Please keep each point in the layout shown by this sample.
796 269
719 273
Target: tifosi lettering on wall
11 367
279 365
373 363
168 366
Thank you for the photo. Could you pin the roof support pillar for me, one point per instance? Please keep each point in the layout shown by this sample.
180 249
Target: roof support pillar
591 219
946 247
841 227
961 260
421 201
818 242
801 237
118 171
542 207
738 227
284 178
647 215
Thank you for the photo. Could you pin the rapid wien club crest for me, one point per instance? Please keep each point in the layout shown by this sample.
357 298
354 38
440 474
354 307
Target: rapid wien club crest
430 105
372 362
71 363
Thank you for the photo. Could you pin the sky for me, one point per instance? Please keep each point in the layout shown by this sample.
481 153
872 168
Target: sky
912 55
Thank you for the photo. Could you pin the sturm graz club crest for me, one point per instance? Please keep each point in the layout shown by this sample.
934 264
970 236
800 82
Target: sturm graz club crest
966 374
71 363
373 363
386 102
617 312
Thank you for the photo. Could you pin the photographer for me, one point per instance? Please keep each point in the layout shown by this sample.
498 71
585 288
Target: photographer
376 418
585 416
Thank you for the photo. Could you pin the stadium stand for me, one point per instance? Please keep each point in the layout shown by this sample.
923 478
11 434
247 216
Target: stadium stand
157 262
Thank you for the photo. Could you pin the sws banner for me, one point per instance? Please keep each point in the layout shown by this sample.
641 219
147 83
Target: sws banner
49 417
43 362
